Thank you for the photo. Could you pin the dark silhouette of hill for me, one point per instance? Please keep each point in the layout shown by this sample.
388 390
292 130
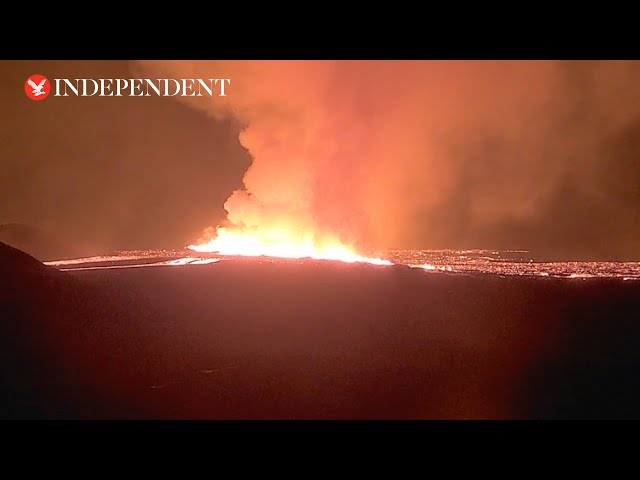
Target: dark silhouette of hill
249 339
65 351
16 262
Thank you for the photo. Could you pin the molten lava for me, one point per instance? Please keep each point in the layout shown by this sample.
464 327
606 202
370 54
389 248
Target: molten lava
281 244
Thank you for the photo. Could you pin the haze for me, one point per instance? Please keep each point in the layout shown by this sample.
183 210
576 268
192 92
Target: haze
536 155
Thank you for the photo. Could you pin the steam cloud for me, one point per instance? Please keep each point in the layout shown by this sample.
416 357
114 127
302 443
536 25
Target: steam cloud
387 153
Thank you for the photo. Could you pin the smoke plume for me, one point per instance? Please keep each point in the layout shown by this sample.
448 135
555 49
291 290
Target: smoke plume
418 153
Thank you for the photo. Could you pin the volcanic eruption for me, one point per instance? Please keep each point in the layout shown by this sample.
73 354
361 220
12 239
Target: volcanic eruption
358 156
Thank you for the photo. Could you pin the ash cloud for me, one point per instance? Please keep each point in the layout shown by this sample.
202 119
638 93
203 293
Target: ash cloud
540 155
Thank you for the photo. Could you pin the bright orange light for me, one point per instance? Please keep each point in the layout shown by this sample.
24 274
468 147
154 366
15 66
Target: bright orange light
281 244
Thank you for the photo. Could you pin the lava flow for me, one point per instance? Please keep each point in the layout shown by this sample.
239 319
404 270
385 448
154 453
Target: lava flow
281 244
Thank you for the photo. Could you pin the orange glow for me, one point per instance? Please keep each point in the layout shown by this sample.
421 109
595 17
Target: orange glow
281 244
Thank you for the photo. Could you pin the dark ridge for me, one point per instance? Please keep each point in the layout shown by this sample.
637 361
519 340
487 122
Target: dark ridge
65 351
251 339
17 262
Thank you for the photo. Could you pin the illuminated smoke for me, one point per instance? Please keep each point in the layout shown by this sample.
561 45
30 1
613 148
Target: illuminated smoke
383 153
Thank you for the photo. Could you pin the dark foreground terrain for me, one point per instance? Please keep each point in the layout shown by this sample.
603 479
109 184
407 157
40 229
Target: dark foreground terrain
244 339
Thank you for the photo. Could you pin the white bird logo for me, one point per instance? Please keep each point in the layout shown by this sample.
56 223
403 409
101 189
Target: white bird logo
37 88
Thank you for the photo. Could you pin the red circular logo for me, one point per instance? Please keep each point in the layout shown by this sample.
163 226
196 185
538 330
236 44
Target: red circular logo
37 87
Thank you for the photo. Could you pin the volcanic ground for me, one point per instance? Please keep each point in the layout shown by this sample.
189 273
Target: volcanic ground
253 339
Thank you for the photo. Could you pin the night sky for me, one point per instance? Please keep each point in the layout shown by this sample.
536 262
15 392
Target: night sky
111 172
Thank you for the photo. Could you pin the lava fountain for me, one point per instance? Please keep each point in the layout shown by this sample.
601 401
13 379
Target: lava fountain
313 160
281 244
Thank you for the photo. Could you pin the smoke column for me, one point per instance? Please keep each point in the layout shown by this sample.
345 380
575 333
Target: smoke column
389 153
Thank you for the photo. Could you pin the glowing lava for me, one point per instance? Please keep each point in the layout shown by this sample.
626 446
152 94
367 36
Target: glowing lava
281 244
